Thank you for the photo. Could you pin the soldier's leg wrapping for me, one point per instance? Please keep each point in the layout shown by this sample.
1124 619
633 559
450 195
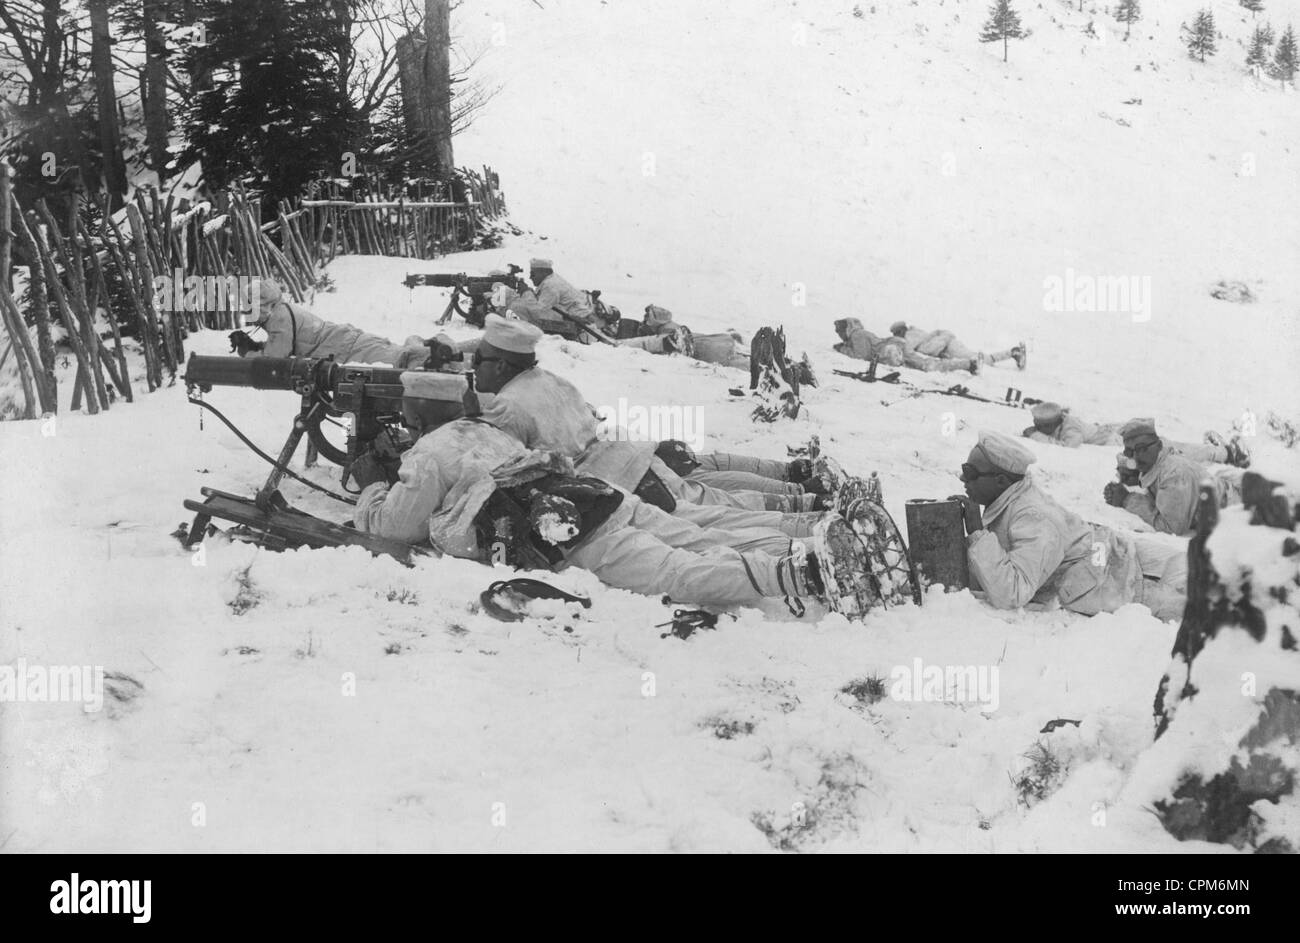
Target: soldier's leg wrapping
935 344
958 351
728 461
1201 452
632 558
696 492
785 503
654 343
744 481
371 349
686 535
934 364
796 524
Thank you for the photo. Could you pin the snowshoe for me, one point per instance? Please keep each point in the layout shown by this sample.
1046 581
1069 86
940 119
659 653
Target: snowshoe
892 573
856 489
840 564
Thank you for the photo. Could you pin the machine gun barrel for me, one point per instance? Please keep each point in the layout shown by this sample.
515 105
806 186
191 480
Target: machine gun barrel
260 373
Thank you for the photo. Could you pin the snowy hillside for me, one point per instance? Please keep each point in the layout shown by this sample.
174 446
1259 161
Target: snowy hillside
725 161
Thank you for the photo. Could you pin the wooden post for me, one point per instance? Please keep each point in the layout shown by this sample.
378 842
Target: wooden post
85 371
123 263
40 310
144 268
74 269
24 352
123 378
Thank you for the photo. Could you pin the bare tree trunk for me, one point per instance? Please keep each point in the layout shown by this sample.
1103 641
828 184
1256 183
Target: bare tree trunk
156 123
110 138
416 102
437 65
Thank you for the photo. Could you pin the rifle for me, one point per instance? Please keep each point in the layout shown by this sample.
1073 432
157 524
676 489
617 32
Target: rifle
584 326
869 376
475 287
369 399
1013 398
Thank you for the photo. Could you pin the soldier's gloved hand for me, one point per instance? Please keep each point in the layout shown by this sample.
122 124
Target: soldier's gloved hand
1114 493
970 513
1029 430
241 343
367 470
799 471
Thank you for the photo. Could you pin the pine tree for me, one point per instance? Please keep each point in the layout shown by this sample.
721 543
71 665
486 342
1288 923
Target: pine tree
1257 54
1200 37
1284 57
1128 12
1254 6
273 109
1003 24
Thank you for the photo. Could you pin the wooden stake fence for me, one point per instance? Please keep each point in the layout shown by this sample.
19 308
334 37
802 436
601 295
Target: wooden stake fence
87 265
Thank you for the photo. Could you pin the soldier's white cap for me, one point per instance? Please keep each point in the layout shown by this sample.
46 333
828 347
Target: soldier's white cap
439 387
266 291
1047 414
658 316
1138 429
1005 453
540 263
510 334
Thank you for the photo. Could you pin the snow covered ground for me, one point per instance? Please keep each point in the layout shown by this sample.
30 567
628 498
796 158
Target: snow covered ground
742 164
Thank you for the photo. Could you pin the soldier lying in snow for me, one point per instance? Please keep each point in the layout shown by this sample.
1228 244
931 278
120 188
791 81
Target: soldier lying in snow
921 350
1170 482
537 306
1027 548
477 492
544 411
1056 425
658 333
294 331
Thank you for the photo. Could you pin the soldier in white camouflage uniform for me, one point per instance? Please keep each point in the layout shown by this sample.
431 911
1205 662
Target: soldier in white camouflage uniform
457 466
1026 548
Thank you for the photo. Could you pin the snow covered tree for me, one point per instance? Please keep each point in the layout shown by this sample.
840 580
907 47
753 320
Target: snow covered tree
1284 57
1128 12
274 109
1201 36
1254 6
1257 54
1003 24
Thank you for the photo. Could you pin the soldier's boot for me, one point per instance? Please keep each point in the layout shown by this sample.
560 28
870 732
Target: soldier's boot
837 568
679 340
828 474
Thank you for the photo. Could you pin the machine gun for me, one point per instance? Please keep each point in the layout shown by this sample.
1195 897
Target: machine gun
367 399
476 288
